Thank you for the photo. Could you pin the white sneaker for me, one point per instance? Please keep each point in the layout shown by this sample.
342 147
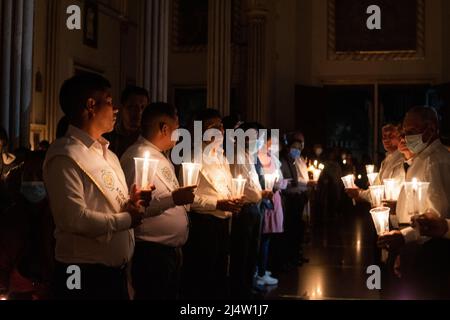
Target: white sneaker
260 281
268 273
269 280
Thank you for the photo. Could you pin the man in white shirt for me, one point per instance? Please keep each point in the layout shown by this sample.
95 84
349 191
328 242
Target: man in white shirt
88 195
430 163
392 165
206 252
157 257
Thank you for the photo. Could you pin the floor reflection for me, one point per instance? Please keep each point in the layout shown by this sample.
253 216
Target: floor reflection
340 252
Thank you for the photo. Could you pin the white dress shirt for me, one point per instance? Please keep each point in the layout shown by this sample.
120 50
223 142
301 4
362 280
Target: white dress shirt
166 223
88 230
214 184
431 165
391 168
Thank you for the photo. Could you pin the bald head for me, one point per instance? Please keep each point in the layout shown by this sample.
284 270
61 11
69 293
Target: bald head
424 121
422 118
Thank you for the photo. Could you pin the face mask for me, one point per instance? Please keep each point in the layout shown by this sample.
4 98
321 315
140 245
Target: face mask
260 144
295 153
415 143
34 192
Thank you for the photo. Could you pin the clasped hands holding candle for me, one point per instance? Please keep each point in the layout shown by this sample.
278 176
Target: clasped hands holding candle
430 224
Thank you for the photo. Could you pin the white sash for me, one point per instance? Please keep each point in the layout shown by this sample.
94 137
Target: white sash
109 182
166 174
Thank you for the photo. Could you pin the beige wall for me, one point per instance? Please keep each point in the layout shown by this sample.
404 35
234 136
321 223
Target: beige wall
301 54
116 56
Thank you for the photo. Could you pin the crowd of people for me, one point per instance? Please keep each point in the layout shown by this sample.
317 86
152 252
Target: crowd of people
76 203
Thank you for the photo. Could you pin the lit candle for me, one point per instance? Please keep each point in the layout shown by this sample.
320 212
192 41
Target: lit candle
380 217
349 181
238 187
191 172
145 170
321 167
392 188
371 177
370 168
376 195
344 162
269 181
316 163
144 183
316 174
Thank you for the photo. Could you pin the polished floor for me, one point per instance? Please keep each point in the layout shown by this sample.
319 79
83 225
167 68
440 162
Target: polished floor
340 250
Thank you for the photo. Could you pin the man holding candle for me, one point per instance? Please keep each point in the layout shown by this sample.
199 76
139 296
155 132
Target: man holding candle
392 165
88 195
206 252
157 257
430 163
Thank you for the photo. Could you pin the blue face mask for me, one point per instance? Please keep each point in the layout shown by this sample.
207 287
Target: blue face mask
295 153
34 192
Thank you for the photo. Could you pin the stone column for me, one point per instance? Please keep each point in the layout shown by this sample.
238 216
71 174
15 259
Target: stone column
156 49
16 69
219 55
5 67
257 71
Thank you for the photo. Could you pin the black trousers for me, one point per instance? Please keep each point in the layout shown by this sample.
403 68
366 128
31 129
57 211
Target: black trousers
294 226
98 282
245 239
205 255
155 272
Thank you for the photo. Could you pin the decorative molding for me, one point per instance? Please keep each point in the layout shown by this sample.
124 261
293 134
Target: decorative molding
400 55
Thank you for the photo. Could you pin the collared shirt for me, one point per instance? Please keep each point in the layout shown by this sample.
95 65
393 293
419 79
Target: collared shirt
87 229
391 168
214 184
431 165
166 223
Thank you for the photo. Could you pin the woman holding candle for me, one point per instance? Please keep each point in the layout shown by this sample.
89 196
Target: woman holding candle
273 217
206 252
157 259
246 226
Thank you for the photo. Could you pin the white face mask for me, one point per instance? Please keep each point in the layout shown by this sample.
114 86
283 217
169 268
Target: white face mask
415 143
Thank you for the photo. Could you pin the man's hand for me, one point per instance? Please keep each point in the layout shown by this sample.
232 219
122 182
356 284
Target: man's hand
233 206
431 225
136 215
353 193
184 196
140 197
392 241
267 195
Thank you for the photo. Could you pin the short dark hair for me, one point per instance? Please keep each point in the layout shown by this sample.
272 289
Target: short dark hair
77 90
133 91
152 116
207 114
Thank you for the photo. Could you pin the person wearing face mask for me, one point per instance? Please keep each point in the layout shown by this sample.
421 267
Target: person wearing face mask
157 256
206 251
133 102
295 198
26 237
430 162
246 226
